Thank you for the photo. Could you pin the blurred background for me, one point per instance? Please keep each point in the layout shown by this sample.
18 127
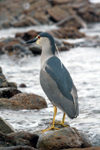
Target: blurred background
75 25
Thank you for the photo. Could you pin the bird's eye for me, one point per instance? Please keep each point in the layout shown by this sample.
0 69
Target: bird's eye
38 36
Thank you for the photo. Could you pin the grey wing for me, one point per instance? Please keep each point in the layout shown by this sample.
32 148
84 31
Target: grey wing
60 75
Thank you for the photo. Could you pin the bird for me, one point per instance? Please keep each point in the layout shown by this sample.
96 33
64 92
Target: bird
56 80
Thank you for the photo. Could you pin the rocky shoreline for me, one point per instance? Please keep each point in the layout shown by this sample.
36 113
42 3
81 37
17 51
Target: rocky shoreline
68 15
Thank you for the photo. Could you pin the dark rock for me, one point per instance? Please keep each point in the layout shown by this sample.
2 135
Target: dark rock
0 70
18 138
36 50
89 148
3 80
12 84
5 127
15 46
8 92
22 85
60 139
59 2
17 148
27 101
27 35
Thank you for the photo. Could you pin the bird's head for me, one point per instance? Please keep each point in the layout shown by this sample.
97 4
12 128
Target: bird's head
44 40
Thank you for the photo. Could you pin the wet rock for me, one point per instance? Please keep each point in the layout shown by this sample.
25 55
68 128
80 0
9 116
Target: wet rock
4 83
18 138
8 92
62 45
27 101
60 139
5 127
17 148
66 33
12 84
89 42
21 51
15 47
22 85
3 80
89 148
35 49
27 35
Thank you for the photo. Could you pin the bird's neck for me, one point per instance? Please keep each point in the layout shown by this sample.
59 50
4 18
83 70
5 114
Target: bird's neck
46 54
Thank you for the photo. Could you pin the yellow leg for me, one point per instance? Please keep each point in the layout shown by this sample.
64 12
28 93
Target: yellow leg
62 122
53 123
63 119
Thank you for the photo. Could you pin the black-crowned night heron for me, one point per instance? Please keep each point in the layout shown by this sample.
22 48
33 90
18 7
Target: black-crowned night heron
56 80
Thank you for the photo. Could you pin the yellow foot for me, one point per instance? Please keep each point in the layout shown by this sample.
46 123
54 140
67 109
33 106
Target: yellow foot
61 123
51 128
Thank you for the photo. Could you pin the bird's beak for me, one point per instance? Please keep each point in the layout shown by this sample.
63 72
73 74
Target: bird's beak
32 41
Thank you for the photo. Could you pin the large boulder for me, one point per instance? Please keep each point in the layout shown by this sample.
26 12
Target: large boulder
29 101
23 101
62 138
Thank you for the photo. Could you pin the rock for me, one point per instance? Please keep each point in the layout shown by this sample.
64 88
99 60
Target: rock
89 148
23 101
58 14
27 35
15 46
25 22
22 85
8 92
41 17
21 51
3 80
66 33
5 127
18 138
62 45
90 13
59 2
62 138
17 148
12 84
35 49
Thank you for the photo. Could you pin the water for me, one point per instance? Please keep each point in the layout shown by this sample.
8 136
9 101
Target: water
83 64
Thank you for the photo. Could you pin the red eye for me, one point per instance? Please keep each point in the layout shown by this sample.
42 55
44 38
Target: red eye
38 36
